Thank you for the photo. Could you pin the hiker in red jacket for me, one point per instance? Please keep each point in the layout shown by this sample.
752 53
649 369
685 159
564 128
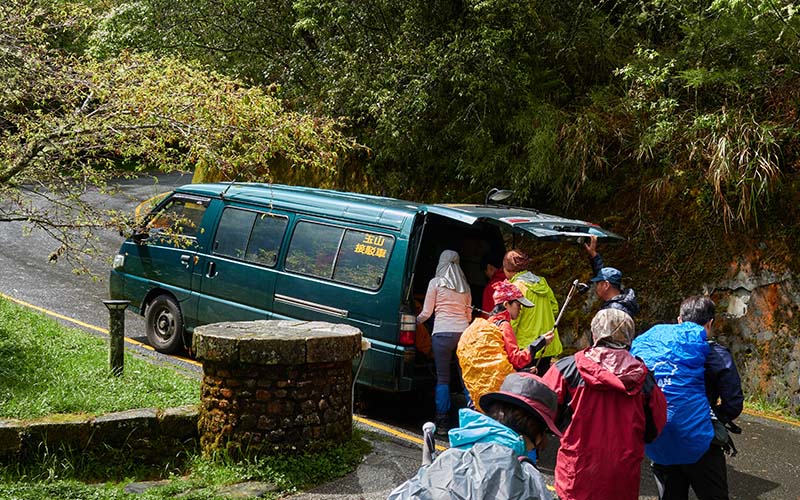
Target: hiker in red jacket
609 407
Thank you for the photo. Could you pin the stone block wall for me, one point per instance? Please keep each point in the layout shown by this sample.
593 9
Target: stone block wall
144 434
275 386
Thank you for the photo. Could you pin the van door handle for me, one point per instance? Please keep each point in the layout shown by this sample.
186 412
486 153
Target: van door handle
185 260
211 270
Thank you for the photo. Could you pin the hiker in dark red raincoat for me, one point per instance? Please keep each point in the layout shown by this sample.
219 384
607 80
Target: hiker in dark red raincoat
609 407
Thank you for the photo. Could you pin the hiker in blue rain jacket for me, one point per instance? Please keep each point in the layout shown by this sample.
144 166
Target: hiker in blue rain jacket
683 455
487 454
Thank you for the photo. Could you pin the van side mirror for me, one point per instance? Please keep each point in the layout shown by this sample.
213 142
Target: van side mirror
139 236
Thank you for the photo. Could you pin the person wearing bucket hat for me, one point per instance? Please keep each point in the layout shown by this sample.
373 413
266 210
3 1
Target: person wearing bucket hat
487 454
509 302
608 283
605 383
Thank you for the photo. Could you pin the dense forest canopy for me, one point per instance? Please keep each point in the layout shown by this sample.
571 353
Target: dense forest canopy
673 123
663 120
549 98
69 122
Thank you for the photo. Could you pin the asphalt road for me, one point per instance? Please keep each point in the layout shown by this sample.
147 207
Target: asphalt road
31 278
767 467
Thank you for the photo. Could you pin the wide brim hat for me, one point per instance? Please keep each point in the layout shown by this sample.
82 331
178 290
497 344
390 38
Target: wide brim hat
527 392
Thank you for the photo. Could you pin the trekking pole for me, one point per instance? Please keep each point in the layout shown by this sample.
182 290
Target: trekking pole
428 443
480 311
576 288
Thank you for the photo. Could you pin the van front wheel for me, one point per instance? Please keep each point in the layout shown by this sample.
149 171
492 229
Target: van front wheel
164 326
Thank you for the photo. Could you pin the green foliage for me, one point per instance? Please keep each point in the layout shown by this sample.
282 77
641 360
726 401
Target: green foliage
439 90
572 104
50 369
70 122
288 472
743 162
453 97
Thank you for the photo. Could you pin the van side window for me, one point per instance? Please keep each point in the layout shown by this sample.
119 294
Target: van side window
252 236
348 256
363 258
179 217
313 249
265 240
234 231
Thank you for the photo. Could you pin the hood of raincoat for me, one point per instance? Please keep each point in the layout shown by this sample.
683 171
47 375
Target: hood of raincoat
610 369
449 272
475 427
526 280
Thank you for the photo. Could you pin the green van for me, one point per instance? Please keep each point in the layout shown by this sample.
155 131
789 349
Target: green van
246 251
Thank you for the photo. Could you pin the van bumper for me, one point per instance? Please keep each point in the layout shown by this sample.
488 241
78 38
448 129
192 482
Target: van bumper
388 368
118 291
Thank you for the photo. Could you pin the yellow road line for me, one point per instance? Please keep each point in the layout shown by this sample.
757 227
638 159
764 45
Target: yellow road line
394 432
408 437
771 416
104 331
86 325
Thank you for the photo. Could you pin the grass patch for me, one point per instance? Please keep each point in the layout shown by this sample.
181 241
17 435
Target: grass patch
779 410
48 368
63 476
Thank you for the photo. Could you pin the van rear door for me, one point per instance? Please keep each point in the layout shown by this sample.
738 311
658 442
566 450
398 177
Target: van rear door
524 221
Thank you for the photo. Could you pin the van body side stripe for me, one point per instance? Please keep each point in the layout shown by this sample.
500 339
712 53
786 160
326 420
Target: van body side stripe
313 306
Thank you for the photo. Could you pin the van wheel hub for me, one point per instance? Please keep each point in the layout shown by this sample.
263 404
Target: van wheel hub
164 324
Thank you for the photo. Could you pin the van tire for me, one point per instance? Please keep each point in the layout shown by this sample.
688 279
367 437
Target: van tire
164 324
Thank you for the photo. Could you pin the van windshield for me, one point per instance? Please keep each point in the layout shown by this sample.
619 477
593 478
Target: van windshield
179 217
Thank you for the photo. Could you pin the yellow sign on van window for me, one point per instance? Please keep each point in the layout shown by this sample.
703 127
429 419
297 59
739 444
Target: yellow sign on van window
374 239
372 246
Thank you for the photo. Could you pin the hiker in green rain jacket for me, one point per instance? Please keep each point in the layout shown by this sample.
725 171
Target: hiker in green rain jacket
533 321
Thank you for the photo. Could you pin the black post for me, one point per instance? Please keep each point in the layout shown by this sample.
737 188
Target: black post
116 332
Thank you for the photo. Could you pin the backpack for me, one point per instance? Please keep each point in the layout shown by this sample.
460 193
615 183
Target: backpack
482 356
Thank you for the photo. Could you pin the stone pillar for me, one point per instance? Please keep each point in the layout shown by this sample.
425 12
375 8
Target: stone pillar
275 386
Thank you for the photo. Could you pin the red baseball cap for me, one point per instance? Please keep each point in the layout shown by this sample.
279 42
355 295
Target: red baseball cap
505 291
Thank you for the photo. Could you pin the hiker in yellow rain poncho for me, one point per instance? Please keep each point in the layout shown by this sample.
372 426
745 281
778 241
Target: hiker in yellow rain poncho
488 350
534 321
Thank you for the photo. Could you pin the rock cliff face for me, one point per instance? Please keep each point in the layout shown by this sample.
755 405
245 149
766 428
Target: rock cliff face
757 296
759 320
